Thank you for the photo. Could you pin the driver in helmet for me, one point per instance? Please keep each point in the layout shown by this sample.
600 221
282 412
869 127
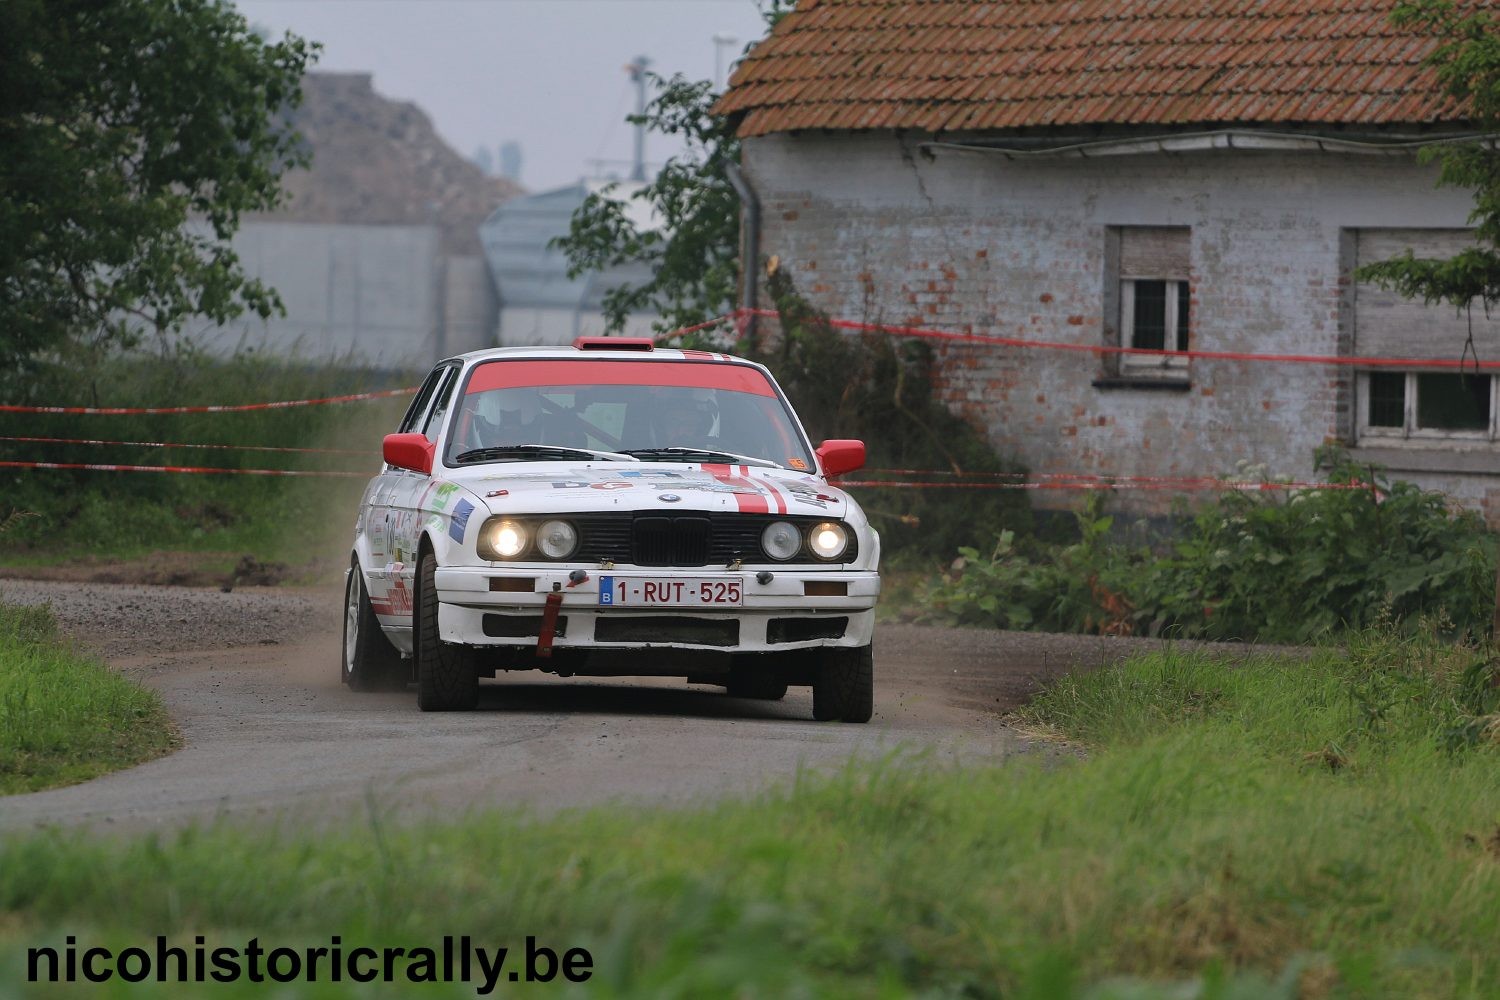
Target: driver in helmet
685 420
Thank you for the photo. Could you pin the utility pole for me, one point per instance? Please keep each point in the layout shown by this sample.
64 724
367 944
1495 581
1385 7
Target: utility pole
721 41
637 71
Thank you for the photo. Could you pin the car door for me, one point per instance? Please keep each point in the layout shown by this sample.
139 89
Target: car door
409 492
387 577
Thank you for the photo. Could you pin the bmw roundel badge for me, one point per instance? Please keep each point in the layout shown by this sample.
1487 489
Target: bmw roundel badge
668 497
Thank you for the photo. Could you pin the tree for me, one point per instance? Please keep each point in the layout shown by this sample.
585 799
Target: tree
693 253
1467 62
121 121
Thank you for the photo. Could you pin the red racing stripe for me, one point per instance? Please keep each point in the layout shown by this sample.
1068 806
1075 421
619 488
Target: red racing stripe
748 503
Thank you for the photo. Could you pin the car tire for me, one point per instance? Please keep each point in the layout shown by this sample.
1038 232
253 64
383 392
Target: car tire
370 662
844 686
761 685
447 674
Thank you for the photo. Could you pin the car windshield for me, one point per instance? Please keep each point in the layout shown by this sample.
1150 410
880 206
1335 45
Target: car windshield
655 411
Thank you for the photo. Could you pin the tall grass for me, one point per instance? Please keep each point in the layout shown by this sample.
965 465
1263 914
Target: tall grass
1210 845
65 717
124 514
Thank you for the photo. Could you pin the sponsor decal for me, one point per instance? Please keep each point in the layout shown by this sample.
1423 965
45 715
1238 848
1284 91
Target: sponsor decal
652 475
710 487
378 531
399 598
612 486
805 495
570 484
443 494
460 522
496 493
796 463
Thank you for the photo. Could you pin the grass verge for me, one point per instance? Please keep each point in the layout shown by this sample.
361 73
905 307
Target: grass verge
1278 829
211 522
65 718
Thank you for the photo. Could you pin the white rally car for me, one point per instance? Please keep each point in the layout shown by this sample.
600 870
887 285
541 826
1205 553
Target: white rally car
611 509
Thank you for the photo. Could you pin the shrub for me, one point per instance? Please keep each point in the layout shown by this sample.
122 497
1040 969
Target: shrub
879 388
1264 565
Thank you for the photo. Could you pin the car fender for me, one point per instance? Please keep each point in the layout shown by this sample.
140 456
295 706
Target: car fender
449 516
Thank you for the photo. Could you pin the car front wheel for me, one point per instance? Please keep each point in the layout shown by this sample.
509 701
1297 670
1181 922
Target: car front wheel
844 685
371 663
447 675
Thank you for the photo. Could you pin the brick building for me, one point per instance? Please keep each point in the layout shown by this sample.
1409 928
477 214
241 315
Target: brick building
1146 173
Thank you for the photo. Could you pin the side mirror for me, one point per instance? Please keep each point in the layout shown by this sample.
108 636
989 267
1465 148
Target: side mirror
410 451
840 456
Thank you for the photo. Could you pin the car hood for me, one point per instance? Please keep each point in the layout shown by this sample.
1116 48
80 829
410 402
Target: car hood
540 488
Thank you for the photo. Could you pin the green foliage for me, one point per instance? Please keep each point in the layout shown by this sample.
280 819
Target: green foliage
120 514
1205 848
693 254
1252 565
120 122
65 718
1467 62
879 388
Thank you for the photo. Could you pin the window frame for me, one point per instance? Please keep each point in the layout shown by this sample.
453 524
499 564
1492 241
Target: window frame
441 403
1409 431
1175 362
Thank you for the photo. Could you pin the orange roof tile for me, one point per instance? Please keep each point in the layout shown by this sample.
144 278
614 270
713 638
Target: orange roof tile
943 65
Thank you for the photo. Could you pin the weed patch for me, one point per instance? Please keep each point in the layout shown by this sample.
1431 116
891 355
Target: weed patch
65 717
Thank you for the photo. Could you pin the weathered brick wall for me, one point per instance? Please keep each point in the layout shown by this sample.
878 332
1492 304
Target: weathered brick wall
873 229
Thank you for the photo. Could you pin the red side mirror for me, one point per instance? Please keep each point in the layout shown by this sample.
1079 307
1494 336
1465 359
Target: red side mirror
840 456
412 451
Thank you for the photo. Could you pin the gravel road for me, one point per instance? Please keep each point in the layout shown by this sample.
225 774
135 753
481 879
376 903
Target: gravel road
252 679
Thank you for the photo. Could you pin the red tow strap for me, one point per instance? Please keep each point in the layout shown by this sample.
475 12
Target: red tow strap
549 616
549 624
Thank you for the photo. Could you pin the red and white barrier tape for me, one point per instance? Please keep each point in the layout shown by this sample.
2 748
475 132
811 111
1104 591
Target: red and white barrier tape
1183 485
120 411
96 467
178 444
1097 477
1054 345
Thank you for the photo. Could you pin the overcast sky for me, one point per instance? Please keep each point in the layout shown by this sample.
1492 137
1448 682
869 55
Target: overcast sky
548 73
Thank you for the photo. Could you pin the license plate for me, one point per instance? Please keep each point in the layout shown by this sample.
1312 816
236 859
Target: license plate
669 592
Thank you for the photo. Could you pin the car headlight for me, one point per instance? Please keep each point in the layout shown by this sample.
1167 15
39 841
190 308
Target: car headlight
557 539
781 540
828 540
508 538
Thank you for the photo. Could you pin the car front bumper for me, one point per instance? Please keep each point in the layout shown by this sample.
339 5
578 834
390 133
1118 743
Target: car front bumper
777 615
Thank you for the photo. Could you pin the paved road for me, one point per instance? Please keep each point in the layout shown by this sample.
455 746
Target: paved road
252 679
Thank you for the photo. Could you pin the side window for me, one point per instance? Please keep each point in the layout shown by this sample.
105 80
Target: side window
413 418
444 396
